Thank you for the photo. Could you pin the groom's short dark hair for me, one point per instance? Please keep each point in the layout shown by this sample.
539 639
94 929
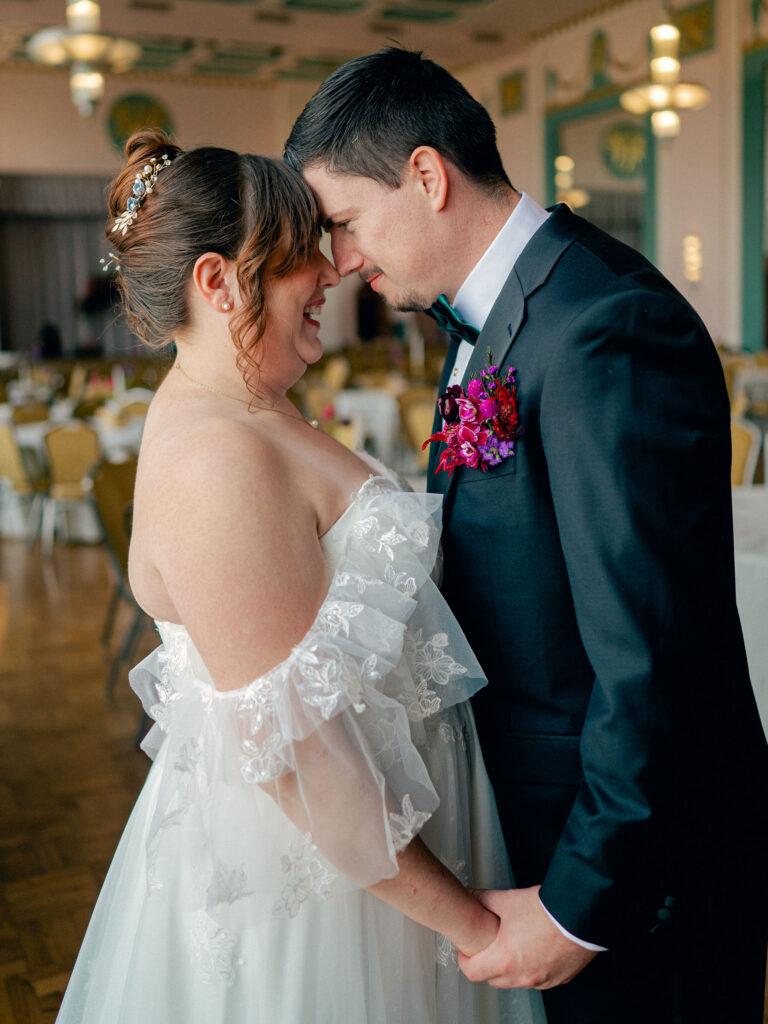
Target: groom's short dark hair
370 114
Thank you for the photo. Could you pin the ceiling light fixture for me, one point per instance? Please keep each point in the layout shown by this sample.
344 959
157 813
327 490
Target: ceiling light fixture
88 52
664 95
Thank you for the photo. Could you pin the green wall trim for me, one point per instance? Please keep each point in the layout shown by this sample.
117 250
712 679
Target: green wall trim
553 122
753 201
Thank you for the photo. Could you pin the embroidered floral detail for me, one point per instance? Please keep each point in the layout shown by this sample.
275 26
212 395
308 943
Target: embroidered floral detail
431 662
359 580
307 877
445 952
228 885
400 581
335 616
404 827
320 684
419 533
259 761
420 703
381 543
168 696
190 757
214 951
449 733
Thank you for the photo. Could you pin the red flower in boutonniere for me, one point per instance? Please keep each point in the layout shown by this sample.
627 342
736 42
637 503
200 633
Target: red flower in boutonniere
481 424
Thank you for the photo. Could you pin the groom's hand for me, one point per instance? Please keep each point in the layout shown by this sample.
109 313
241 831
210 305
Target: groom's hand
529 950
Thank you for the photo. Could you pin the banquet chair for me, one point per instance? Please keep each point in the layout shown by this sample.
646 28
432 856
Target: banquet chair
417 413
132 409
746 440
113 484
335 372
73 451
31 412
343 431
23 475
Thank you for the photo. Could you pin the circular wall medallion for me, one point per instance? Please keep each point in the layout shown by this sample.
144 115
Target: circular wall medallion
130 113
623 149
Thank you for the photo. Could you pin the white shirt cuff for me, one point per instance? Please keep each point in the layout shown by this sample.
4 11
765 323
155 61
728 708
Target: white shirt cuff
579 942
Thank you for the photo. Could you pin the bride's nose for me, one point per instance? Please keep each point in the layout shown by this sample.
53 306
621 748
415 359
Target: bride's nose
327 275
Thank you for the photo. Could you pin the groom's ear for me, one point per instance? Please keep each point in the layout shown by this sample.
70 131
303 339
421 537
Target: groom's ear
429 175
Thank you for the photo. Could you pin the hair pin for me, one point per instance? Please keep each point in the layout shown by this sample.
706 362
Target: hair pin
142 186
107 264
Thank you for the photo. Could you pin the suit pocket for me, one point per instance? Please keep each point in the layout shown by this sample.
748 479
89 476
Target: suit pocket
543 759
506 468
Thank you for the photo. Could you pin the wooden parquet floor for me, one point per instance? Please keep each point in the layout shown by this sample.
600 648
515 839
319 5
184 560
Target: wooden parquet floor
69 769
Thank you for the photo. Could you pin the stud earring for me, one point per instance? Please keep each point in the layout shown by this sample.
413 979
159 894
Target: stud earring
226 306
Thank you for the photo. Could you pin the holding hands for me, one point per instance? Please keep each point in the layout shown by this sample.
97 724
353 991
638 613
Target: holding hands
529 950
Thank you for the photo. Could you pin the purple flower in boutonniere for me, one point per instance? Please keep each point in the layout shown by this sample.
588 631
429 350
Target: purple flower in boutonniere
481 424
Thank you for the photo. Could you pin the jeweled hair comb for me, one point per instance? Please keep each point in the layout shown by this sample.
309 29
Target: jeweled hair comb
145 180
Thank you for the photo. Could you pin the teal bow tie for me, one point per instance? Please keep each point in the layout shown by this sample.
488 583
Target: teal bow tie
447 318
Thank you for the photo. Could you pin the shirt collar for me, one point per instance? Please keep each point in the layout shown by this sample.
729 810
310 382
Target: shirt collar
475 299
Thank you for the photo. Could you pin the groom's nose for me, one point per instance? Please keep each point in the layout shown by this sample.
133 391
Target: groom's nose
346 257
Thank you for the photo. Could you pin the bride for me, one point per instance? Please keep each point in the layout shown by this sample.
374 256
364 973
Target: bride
302 850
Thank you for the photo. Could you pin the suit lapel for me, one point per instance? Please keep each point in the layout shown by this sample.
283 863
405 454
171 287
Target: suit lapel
437 423
530 272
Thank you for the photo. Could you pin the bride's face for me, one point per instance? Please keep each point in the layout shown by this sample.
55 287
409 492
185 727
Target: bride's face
291 341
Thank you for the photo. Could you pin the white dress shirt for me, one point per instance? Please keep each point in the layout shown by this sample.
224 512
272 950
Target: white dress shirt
474 301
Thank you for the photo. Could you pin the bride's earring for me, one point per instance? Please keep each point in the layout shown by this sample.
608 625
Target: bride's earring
226 306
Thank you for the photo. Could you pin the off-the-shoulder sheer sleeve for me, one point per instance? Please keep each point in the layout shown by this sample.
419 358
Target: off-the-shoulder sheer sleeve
319 761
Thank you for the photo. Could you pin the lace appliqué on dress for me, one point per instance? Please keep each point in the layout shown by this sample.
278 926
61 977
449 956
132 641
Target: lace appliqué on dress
213 951
307 877
404 827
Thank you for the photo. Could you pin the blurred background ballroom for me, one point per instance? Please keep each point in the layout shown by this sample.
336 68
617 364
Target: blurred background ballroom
648 118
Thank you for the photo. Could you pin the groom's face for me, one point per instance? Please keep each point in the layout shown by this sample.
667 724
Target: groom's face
380 233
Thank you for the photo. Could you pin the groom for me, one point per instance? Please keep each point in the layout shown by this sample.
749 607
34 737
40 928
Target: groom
592 571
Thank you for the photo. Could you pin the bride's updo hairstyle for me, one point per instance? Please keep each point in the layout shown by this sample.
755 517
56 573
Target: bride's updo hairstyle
254 211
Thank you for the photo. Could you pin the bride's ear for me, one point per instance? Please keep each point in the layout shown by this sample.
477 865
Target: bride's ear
211 277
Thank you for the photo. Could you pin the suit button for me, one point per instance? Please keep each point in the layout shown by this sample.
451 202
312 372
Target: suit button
670 901
664 914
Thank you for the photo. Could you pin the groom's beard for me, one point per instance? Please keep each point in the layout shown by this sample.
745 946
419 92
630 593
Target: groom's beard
409 302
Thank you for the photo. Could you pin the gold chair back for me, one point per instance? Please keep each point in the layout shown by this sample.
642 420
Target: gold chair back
336 372
11 464
73 451
345 433
113 484
132 409
32 412
745 451
417 414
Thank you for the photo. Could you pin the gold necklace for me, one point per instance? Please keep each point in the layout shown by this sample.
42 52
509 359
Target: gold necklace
261 408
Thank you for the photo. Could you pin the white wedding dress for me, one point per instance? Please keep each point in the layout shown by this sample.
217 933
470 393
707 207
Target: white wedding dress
236 893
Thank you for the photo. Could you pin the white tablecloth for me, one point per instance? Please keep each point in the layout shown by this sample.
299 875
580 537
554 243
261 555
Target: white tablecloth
376 414
750 527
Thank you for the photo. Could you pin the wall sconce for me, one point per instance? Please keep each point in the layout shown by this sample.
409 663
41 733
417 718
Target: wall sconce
566 193
664 95
692 258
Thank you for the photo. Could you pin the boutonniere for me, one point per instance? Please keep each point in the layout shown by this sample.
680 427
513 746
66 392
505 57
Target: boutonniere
481 424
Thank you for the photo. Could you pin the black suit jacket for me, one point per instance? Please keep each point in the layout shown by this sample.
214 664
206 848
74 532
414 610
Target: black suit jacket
593 575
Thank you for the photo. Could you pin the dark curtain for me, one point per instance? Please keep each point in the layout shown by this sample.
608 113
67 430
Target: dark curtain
51 239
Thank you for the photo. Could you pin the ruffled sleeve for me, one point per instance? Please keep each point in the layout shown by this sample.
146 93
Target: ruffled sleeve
311 778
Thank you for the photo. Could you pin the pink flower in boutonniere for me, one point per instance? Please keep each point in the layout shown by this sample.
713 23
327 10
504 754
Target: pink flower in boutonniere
481 424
